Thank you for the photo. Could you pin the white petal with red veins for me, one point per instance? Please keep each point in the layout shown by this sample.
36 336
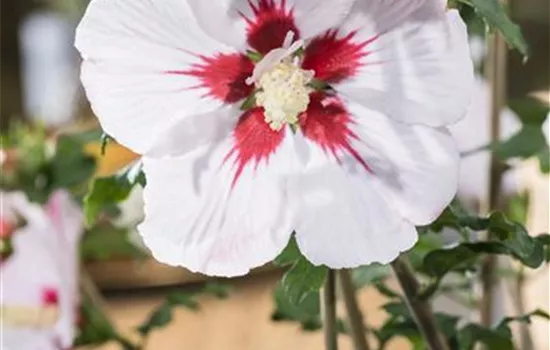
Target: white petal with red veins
415 65
343 220
142 67
415 167
366 181
263 24
211 214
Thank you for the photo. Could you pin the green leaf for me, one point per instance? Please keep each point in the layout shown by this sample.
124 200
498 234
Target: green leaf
88 136
530 110
70 166
289 255
396 308
401 323
506 238
369 274
397 327
473 334
37 170
161 316
544 239
499 337
186 300
439 262
104 242
386 291
303 279
517 240
517 207
108 191
527 142
465 256
158 319
503 325
96 328
307 313
496 17
530 140
544 160
216 289
427 242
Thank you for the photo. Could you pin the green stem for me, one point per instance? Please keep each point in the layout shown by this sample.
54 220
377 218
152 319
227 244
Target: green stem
421 310
355 316
328 307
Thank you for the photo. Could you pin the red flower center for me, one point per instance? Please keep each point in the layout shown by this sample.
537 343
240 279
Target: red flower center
331 56
270 24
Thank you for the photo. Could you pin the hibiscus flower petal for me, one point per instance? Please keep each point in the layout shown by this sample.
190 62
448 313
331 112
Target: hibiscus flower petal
407 59
263 24
221 209
343 221
147 65
371 175
192 132
415 166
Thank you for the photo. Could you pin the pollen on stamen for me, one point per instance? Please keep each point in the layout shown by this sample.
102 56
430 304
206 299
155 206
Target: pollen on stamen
282 84
284 94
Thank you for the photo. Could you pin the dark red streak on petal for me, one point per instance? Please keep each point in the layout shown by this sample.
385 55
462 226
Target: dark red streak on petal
50 296
334 59
255 141
327 123
269 25
223 75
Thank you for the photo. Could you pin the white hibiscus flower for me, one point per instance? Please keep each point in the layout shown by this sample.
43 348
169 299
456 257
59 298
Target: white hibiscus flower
342 140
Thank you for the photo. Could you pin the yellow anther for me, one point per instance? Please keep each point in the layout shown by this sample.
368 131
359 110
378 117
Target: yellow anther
284 94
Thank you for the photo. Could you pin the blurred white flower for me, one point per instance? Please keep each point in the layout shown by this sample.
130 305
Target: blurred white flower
478 49
49 68
473 132
39 281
